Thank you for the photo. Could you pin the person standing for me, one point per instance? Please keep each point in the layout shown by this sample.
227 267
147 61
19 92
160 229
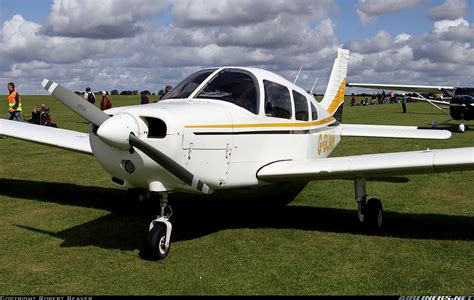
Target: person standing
14 103
353 99
168 88
105 103
89 95
404 103
144 98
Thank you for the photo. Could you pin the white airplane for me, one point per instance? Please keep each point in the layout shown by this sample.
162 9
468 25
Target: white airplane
461 100
233 130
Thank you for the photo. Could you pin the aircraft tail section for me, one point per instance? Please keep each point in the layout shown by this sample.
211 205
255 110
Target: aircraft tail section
334 96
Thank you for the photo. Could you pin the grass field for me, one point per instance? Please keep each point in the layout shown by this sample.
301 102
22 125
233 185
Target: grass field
64 229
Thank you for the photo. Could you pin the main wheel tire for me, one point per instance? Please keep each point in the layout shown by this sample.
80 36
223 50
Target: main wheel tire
155 248
374 214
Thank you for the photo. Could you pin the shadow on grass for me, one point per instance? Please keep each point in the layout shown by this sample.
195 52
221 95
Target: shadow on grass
453 128
421 113
125 228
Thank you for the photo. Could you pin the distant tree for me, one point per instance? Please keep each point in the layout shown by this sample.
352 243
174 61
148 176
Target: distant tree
114 92
135 92
127 93
145 92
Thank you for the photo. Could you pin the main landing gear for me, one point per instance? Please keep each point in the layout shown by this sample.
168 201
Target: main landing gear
370 212
158 244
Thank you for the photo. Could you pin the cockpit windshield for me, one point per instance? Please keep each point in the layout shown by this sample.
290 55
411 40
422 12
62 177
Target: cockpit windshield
235 86
188 85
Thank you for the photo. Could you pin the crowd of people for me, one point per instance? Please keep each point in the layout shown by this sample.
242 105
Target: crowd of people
381 98
41 113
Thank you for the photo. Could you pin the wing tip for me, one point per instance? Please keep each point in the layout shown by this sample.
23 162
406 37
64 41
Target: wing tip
446 134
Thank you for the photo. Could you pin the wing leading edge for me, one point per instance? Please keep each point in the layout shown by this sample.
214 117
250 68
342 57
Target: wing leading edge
361 166
61 138
411 132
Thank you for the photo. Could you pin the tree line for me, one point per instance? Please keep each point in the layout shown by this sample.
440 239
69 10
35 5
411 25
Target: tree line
126 93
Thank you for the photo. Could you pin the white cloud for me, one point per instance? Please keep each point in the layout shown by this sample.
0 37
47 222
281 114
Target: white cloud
446 25
16 32
245 12
370 10
402 37
451 9
101 19
380 42
276 35
23 41
432 58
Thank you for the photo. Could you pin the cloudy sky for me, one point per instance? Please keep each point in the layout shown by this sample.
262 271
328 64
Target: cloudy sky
145 44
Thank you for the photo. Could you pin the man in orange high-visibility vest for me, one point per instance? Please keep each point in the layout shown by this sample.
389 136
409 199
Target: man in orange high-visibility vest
14 103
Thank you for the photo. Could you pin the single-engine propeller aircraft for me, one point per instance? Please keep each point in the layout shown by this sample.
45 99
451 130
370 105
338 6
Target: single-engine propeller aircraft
459 100
241 130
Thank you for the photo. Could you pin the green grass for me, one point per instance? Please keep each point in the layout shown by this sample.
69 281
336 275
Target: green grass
64 229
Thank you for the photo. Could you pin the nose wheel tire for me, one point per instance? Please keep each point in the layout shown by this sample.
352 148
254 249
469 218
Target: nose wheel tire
374 214
156 248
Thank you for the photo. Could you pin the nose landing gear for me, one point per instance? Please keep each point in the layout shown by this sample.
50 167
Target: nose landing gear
158 243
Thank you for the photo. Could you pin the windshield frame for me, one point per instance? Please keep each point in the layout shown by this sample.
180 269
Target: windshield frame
211 72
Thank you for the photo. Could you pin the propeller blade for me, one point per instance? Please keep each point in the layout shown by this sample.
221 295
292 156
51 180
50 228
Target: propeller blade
76 103
169 164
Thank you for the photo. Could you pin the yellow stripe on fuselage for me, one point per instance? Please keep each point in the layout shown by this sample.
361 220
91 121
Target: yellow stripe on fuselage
264 125
338 99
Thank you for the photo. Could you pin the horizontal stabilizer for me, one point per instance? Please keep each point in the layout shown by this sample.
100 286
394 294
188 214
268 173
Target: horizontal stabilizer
408 132
370 165
401 87
61 138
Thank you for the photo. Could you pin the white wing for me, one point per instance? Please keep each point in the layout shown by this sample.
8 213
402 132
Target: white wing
61 138
393 131
401 87
360 166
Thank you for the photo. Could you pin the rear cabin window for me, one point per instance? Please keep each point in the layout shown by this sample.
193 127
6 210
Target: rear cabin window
188 85
277 100
301 107
314 112
233 86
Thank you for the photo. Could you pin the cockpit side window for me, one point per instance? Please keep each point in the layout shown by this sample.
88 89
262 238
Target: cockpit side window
188 85
277 100
314 112
301 107
234 86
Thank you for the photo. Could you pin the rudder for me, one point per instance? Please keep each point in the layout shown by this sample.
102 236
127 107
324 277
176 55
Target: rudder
334 95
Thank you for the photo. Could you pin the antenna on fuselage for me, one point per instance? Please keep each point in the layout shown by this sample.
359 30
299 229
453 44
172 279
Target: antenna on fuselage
297 75
314 84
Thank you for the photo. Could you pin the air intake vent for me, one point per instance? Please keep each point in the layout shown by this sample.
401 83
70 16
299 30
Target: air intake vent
156 128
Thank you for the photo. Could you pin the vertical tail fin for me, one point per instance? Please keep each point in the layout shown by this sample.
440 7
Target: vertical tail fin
334 95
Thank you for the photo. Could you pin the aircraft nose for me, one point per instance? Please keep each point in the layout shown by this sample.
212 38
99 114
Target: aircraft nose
116 130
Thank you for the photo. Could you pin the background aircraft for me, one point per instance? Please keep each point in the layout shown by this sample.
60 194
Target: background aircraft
460 100
236 132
